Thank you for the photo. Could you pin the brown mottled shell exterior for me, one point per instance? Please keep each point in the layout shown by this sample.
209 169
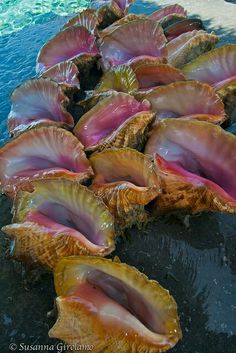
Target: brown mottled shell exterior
126 202
227 93
132 133
196 46
34 245
143 61
91 101
78 324
125 199
122 21
181 195
108 14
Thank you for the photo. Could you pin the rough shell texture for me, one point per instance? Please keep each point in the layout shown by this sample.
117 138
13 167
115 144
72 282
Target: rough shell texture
86 18
196 163
191 99
49 224
74 43
65 73
189 46
227 93
126 181
110 11
105 118
123 44
80 284
122 21
42 153
38 101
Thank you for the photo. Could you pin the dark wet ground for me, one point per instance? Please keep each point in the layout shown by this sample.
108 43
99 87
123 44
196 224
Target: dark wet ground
194 257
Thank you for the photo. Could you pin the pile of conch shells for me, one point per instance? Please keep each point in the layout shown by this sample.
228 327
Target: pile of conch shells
124 121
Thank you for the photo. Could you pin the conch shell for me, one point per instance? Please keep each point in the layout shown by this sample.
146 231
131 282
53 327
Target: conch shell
126 181
59 218
91 309
189 99
217 68
38 101
122 46
189 46
117 121
74 43
41 153
195 161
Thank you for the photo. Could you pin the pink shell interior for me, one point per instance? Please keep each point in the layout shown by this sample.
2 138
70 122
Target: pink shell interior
40 151
38 100
216 67
68 44
123 44
102 290
106 116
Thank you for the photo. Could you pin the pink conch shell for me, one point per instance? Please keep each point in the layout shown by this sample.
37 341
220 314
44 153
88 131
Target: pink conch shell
217 68
91 308
58 218
74 43
41 153
123 44
126 181
196 163
38 101
109 117
189 99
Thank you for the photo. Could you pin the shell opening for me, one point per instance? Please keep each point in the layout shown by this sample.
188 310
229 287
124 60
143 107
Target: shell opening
59 218
33 164
121 299
192 165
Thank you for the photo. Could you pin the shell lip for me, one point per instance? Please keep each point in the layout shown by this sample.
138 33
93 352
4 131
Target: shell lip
176 168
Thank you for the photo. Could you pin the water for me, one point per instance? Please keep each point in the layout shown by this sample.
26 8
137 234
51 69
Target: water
194 257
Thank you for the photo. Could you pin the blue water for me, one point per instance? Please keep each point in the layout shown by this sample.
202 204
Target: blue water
195 260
